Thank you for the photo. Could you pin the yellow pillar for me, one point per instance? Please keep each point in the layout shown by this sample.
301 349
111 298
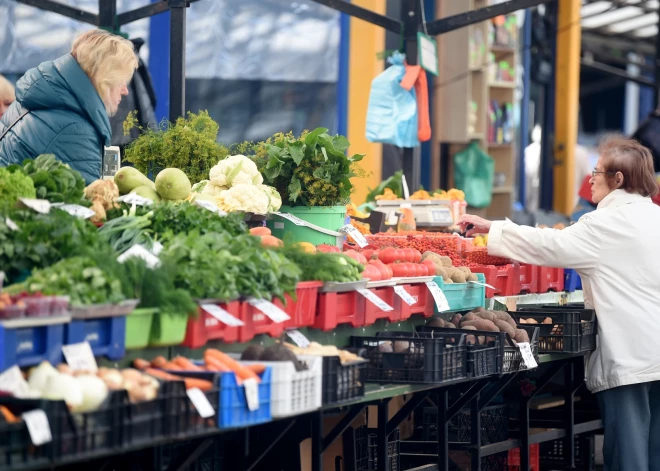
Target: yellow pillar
366 40
567 93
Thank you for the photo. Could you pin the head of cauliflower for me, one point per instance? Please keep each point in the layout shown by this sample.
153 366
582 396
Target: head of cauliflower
274 198
235 170
242 197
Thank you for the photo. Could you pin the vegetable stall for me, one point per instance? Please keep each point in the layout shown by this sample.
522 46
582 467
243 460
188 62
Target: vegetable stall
233 305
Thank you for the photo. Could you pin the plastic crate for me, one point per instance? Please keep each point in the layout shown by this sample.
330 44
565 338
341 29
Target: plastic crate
551 279
463 296
340 308
29 341
529 278
571 330
494 425
572 281
552 453
106 335
513 460
431 357
168 329
424 305
205 327
505 279
138 327
513 360
145 422
342 382
372 312
393 451
303 310
256 323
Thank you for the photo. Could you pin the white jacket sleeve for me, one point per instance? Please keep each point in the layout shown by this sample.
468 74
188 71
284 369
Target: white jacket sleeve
576 247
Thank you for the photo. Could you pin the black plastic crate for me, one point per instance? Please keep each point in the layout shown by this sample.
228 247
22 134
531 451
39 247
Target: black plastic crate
553 452
181 418
211 458
494 425
16 449
393 451
482 360
424 357
570 330
513 360
342 383
145 422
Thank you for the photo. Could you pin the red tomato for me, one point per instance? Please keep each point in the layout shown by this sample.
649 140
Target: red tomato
380 266
430 266
423 270
416 256
371 273
368 254
327 248
399 270
357 256
390 255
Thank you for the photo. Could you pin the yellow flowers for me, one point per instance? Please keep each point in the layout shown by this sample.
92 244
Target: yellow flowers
388 195
352 210
480 241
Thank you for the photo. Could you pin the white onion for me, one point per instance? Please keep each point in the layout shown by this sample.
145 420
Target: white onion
62 387
38 377
94 392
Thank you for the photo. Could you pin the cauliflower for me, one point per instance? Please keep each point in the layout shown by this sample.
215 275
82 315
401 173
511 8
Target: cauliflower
241 197
235 170
199 187
213 190
274 198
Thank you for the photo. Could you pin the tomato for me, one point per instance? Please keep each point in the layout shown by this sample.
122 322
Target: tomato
399 270
371 273
423 270
357 256
380 266
412 269
390 255
327 248
407 255
368 254
416 256
430 265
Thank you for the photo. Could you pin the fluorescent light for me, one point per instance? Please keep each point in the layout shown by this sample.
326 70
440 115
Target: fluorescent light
611 16
634 23
593 8
647 32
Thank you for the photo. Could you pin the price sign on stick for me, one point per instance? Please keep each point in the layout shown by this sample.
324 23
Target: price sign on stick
38 426
439 297
273 312
40 206
527 355
298 338
201 402
251 393
403 294
79 356
76 210
374 299
137 200
355 234
222 315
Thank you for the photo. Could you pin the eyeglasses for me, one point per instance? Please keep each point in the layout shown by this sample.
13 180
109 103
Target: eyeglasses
595 172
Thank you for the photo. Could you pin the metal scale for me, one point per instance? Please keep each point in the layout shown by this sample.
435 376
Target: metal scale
428 214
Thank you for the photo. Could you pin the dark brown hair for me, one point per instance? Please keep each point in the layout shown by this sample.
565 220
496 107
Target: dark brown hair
633 160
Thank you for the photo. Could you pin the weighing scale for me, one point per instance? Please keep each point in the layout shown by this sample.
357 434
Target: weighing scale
428 213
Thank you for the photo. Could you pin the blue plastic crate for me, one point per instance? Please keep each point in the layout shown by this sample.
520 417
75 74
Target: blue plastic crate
106 335
232 405
572 280
29 341
463 296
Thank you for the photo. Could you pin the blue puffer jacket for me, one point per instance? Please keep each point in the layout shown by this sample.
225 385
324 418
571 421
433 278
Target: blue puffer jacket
67 118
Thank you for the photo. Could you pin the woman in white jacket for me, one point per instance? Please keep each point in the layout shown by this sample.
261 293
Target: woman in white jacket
616 251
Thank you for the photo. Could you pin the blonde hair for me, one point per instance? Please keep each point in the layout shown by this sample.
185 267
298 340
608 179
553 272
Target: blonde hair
107 59
7 93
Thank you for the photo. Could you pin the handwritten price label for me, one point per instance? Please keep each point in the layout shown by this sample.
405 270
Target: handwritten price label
355 234
374 299
76 210
201 402
439 297
405 295
527 355
273 312
294 219
38 426
298 338
251 393
79 357
222 315
137 200
40 206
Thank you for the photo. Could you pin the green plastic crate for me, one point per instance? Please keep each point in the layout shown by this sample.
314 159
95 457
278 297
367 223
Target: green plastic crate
138 327
463 296
168 329
330 218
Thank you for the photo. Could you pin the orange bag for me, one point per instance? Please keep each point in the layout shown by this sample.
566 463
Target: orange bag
416 77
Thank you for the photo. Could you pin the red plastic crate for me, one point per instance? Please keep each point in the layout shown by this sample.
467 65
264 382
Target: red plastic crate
372 312
425 302
303 310
256 322
551 279
340 308
505 279
513 459
206 327
529 278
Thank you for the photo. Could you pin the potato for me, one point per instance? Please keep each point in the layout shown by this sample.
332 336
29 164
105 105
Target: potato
470 339
481 339
478 309
458 276
466 271
470 316
436 322
521 336
433 256
472 277
532 321
449 281
522 321
456 320
449 325
446 261
385 347
440 271
505 327
506 317
483 324
547 320
488 315
401 346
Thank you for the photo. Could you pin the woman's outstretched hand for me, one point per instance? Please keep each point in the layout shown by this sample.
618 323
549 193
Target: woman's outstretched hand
473 225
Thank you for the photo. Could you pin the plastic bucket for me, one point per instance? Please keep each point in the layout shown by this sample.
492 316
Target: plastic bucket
168 329
327 219
138 327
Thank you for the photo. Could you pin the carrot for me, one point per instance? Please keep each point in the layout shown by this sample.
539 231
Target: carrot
160 374
423 118
271 241
241 371
257 368
159 362
141 364
260 231
190 383
186 364
214 365
8 415
170 365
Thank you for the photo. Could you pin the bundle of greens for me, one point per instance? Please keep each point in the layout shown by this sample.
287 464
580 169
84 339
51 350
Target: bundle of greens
123 233
53 180
321 266
14 186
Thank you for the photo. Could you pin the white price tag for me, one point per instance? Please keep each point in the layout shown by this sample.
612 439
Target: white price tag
405 295
11 224
440 299
482 284
38 426
79 357
298 338
251 393
273 312
137 200
222 315
139 251
294 219
208 205
355 234
406 206
77 210
40 206
374 299
157 248
201 402
392 219
527 355
406 191
428 53
12 381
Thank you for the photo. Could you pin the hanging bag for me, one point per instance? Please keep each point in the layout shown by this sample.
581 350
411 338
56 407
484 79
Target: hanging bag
473 173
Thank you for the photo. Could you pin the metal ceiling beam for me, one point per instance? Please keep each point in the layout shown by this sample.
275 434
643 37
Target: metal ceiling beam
608 69
369 16
64 10
639 45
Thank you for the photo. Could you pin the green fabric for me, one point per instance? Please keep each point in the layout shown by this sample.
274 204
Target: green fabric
473 173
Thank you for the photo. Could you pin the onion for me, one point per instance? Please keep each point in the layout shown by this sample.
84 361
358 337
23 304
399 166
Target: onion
38 376
61 387
93 391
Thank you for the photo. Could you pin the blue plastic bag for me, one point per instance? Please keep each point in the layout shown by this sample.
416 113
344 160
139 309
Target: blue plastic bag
392 111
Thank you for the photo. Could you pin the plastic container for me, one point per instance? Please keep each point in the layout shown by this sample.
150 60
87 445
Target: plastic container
330 218
551 279
552 453
145 422
232 404
205 327
303 310
12 311
463 296
340 308
570 331
505 279
372 312
424 305
393 450
59 305
513 360
106 336
513 459
37 306
494 425
256 323
168 329
138 327
529 278
342 382
572 280
29 341
479 256
426 357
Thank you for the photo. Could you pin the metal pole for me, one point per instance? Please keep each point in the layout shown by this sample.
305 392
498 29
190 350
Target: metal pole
569 415
411 18
524 107
656 89
177 59
382 459
107 14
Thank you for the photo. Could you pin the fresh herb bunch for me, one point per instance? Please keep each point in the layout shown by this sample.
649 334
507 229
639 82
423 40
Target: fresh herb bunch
42 239
184 217
53 180
14 186
189 144
311 170
321 266
123 233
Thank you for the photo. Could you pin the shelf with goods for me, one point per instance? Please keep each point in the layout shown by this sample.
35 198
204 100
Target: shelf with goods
475 95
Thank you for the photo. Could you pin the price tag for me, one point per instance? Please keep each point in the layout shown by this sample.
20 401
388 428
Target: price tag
440 299
40 206
298 338
79 357
428 53
222 315
406 191
38 426
138 200
294 219
482 284
11 224
77 210
273 312
201 402
209 205
372 298
527 355
12 381
157 248
355 234
392 219
405 295
139 251
251 393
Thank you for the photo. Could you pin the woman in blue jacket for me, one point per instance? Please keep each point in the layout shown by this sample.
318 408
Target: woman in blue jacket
62 106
